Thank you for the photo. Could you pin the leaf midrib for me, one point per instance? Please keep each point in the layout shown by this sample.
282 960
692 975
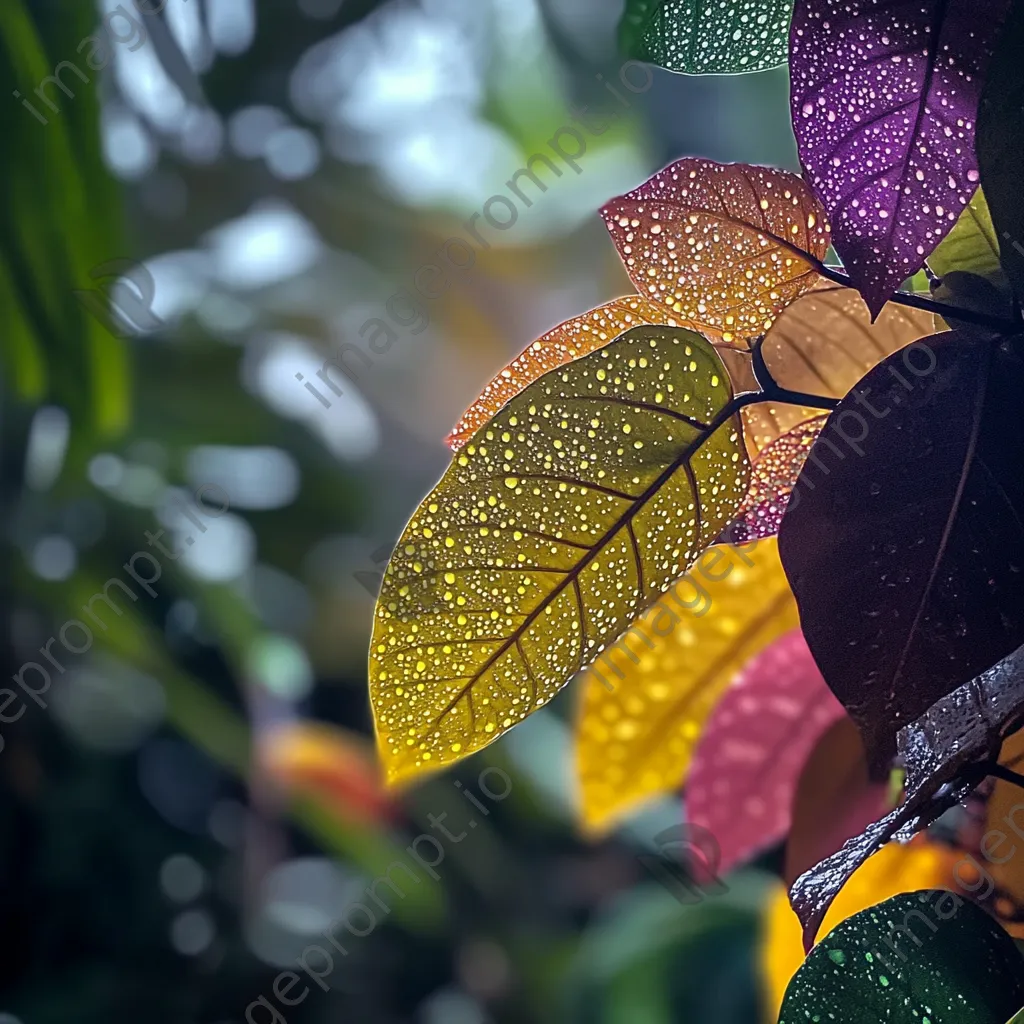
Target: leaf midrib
573 574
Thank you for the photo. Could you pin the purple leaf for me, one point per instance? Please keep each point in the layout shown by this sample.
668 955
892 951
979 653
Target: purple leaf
884 100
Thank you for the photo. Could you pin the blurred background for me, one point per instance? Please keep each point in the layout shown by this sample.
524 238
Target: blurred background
209 200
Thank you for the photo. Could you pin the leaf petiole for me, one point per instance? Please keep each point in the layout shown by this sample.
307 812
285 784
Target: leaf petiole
929 305
772 391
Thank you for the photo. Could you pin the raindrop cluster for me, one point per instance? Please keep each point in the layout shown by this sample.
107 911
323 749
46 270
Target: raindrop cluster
700 37
723 246
884 100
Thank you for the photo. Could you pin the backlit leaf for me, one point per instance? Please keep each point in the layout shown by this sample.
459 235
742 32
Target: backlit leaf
555 526
823 344
940 751
724 246
1000 144
918 956
834 799
884 100
575 337
702 39
971 245
773 475
647 699
906 548
896 868
747 763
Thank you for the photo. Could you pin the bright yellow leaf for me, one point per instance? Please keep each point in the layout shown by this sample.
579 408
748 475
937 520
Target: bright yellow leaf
725 246
647 699
559 521
896 868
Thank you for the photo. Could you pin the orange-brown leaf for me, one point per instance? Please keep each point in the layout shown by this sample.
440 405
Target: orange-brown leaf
724 246
574 337
823 344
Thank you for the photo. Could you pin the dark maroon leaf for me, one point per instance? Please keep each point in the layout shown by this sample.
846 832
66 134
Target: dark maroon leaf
748 760
884 100
906 549
941 752
835 798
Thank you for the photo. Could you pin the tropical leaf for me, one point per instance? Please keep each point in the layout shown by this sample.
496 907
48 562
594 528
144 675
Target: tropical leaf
726 247
574 337
941 751
554 527
1000 143
905 548
971 246
48 250
823 344
638 723
884 100
961 969
834 797
750 756
702 39
773 476
896 868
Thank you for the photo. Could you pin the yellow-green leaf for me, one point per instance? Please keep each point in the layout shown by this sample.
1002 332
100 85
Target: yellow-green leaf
560 521
972 245
647 699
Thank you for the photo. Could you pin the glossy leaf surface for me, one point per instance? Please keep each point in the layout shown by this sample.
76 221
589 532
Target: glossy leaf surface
939 751
773 476
823 344
950 964
750 757
1000 144
701 39
574 337
897 868
884 101
723 246
906 549
560 521
648 698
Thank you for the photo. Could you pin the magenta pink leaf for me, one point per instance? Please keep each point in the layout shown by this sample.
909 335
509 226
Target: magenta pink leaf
748 762
884 99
